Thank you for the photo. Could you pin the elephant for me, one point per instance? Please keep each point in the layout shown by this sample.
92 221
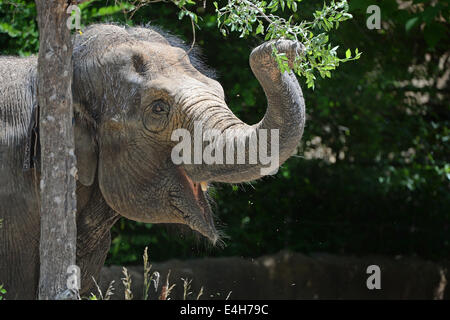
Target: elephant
131 87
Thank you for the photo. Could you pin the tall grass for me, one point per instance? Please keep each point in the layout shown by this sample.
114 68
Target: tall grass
149 279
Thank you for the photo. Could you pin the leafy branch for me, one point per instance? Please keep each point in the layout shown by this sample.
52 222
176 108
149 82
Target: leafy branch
258 17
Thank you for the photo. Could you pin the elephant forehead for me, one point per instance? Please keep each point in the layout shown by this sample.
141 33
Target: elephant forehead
158 61
173 64
180 88
164 57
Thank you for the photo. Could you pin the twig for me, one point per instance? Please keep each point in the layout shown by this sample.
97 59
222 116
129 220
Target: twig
263 15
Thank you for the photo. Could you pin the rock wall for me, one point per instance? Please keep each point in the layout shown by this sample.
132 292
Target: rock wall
289 275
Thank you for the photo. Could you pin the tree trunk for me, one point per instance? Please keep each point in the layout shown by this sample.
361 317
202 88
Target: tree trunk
58 162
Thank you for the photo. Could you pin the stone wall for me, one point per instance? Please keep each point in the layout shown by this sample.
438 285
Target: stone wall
288 275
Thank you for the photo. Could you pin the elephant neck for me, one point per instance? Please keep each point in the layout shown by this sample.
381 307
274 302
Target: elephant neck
94 218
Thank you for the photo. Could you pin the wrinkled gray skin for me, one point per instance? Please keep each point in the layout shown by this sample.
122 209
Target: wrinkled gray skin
132 87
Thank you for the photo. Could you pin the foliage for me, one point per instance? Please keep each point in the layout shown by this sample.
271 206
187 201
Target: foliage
2 292
372 174
243 15
18 28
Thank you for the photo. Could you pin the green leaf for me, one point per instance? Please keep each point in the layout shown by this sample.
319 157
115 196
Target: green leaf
110 10
260 29
411 23
7 28
348 54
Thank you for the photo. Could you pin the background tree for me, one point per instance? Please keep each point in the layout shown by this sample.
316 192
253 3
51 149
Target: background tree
58 163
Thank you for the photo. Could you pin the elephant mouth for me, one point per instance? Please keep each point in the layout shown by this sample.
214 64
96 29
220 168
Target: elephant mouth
196 212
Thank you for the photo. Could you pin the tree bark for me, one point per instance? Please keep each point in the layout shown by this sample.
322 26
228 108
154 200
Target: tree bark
58 162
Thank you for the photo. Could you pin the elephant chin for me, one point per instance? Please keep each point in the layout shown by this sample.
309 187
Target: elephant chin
195 210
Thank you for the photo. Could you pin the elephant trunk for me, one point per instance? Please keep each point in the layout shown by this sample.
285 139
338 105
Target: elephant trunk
278 132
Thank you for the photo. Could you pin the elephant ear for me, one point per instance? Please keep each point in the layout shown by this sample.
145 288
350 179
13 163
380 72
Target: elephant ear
32 145
86 150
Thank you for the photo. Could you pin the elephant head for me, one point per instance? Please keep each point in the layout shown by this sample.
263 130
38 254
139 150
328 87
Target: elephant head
132 89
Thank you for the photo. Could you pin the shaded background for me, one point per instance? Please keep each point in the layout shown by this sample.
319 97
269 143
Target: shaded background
372 173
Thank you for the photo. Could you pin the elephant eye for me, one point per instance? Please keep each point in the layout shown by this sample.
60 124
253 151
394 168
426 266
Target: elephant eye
156 116
160 107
